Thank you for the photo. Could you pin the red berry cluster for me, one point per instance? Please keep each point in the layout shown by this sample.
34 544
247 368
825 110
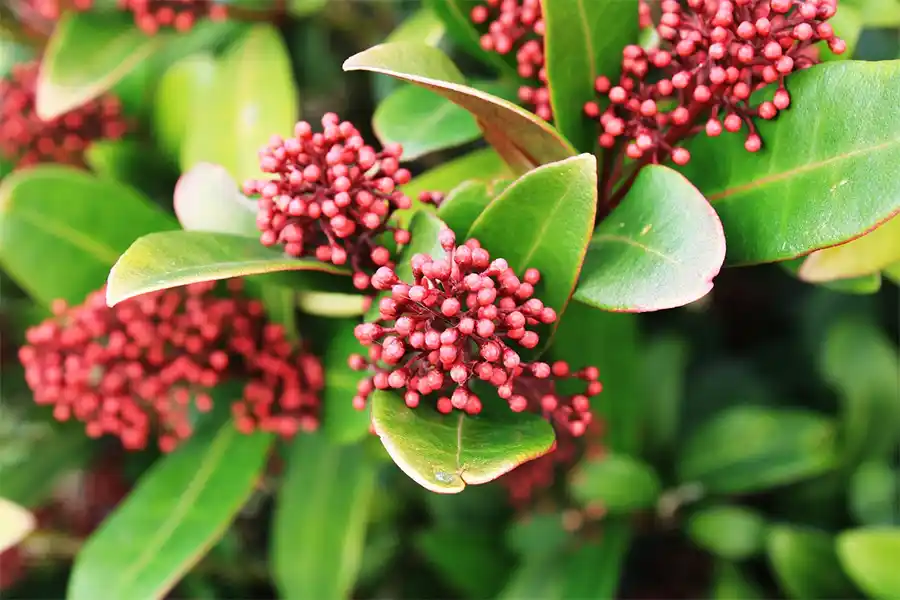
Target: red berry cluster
26 140
333 196
713 55
645 17
519 25
152 15
52 9
136 369
453 326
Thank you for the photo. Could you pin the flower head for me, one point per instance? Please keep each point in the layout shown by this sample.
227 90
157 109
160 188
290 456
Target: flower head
52 9
332 198
26 139
518 25
458 322
152 15
137 369
713 55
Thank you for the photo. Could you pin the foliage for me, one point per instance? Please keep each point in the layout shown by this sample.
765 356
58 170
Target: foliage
584 299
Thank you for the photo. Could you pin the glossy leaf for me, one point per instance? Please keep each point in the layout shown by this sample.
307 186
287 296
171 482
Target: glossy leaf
479 165
539 577
131 162
665 363
860 363
456 17
522 139
892 272
867 284
422 26
61 229
444 453
584 39
320 520
463 205
86 55
870 557
253 96
170 259
543 221
805 564
757 448
877 13
342 423
177 511
538 535
208 199
331 304
468 560
661 248
594 570
182 92
732 532
869 254
820 178
618 483
15 524
872 494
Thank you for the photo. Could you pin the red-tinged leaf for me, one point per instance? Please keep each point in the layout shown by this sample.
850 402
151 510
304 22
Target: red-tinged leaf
869 254
659 249
522 139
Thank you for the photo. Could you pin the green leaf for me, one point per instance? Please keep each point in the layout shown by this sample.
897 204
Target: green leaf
12 53
595 569
15 524
659 249
463 205
470 561
543 221
280 304
539 577
169 259
480 165
805 564
422 26
892 272
86 55
616 482
869 254
820 179
320 520
538 535
522 139
177 511
183 90
455 15
849 23
870 557
873 491
584 39
609 341
423 122
752 448
444 453
331 304
860 363
304 8
731 532
731 582
254 93
131 162
665 363
208 199
342 423
876 13
867 284
61 229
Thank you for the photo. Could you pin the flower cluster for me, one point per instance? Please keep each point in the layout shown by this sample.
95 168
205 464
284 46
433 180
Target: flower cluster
333 196
152 15
52 9
26 139
454 326
141 367
713 55
518 25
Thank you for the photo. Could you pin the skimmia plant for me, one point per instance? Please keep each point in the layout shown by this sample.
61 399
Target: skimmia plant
264 304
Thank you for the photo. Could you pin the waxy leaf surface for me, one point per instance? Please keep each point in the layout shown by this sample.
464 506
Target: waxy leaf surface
659 249
479 165
170 259
463 205
543 220
208 199
61 229
86 55
177 511
181 93
869 556
522 139
444 453
320 519
584 39
826 173
863 256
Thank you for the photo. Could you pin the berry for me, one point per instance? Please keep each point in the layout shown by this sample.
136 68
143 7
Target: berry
181 15
461 321
332 196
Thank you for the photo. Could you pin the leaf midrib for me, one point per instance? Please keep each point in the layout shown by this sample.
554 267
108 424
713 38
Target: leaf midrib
777 177
634 243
